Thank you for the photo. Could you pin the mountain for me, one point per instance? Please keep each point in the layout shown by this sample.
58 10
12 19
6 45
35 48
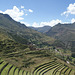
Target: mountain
65 34
41 29
16 48
20 33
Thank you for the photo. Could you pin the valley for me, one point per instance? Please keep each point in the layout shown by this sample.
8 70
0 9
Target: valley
24 51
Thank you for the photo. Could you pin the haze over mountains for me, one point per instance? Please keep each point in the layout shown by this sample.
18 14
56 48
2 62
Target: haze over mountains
43 29
63 32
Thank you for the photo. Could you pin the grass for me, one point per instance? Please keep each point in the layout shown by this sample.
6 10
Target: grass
6 69
16 72
56 70
34 63
28 60
63 71
47 66
2 65
50 68
72 72
20 73
1 62
3 68
9 69
13 49
67 72
12 70
42 66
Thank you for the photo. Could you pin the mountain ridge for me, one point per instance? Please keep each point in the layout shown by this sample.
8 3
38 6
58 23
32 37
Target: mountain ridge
62 30
43 29
64 35
20 32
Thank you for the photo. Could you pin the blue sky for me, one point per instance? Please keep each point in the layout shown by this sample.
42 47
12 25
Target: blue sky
39 13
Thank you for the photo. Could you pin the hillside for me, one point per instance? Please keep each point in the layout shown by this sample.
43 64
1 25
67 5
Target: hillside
20 33
24 51
64 32
43 29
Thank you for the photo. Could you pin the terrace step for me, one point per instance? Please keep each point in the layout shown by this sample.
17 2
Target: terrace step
12 70
6 69
2 66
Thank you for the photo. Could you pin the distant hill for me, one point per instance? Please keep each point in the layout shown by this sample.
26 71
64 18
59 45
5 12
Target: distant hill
20 33
65 33
41 29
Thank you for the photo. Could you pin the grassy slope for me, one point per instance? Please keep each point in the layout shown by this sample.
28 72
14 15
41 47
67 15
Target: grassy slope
20 33
31 59
65 32
19 55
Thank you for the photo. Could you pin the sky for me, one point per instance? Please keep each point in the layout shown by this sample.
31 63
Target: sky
39 13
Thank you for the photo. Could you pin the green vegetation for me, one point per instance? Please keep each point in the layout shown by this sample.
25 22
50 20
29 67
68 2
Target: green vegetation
52 68
9 46
20 33
8 69
64 35
24 51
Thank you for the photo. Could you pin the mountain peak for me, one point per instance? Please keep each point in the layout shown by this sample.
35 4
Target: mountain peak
20 33
6 16
8 21
65 32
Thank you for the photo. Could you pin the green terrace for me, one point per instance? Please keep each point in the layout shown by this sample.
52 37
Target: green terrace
50 68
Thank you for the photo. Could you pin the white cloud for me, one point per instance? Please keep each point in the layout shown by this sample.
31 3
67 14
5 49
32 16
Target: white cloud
1 11
70 10
50 23
30 10
26 14
35 24
73 20
15 13
27 24
22 7
25 10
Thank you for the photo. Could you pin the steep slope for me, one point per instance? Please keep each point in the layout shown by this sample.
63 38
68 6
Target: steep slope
64 32
13 39
41 29
20 33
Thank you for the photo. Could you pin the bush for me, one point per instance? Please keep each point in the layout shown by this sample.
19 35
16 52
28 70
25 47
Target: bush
73 55
28 64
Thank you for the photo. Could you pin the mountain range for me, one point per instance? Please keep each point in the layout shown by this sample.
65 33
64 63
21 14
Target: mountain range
10 29
64 32
43 29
